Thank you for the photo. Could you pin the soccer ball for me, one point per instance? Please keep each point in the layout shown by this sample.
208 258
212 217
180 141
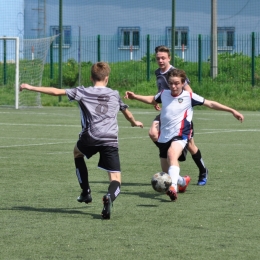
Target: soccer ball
161 182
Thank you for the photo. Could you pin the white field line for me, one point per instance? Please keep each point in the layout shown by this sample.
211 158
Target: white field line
126 138
45 125
39 144
55 143
41 125
140 112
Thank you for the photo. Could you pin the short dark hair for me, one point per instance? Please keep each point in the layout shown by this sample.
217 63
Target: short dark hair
162 48
177 73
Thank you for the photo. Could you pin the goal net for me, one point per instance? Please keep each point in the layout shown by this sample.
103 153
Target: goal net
23 63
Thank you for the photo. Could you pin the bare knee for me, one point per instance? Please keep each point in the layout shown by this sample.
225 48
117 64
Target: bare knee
77 153
153 136
154 131
192 147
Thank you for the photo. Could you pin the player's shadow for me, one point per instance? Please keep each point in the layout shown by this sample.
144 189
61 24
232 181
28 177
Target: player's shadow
145 195
54 210
162 197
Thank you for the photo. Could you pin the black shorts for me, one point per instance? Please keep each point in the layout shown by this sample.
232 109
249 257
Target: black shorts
108 156
164 147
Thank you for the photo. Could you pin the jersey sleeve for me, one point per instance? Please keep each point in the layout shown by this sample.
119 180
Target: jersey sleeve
196 100
122 105
74 93
157 97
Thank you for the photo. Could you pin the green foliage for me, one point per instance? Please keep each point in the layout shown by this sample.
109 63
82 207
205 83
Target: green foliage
231 86
70 74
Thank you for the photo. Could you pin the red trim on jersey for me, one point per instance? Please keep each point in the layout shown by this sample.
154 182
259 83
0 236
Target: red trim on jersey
190 134
182 123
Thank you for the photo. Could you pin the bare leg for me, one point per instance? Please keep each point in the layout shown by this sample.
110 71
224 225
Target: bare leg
154 131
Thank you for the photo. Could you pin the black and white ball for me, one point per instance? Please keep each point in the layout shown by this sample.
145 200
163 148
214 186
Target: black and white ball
161 182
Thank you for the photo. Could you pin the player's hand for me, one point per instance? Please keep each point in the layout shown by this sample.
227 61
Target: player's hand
129 95
238 116
157 107
24 86
138 123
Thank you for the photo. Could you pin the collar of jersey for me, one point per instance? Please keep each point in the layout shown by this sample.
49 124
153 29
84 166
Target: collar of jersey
176 95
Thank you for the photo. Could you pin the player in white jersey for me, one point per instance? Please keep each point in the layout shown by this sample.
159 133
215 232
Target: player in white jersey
175 125
99 106
163 59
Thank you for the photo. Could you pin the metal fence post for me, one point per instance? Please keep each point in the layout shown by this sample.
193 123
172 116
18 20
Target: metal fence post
60 43
253 60
5 65
51 61
199 59
98 48
148 58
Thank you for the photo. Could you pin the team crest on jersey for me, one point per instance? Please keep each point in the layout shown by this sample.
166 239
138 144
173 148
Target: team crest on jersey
180 100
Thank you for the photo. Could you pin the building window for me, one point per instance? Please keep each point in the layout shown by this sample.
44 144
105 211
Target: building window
181 37
129 37
226 38
66 37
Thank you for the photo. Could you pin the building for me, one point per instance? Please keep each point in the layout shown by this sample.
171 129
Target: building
118 30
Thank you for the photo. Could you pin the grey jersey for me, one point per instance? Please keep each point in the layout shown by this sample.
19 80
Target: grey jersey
98 107
162 79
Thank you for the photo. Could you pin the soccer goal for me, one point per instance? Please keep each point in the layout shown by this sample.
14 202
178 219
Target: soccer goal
27 56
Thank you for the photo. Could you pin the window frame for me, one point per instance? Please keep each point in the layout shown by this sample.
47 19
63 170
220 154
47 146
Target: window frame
66 39
179 30
131 30
225 31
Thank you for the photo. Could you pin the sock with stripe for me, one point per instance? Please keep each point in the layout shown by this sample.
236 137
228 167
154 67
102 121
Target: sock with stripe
199 162
82 174
113 190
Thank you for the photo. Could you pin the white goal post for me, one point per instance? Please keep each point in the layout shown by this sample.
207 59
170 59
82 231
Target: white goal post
17 48
29 56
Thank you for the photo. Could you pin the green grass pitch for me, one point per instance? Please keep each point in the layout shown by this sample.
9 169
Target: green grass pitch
41 219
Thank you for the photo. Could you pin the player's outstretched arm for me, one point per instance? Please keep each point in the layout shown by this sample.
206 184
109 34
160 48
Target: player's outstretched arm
144 99
45 90
217 106
129 116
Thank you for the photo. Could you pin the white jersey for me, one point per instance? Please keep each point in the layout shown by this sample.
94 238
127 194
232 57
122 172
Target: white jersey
176 114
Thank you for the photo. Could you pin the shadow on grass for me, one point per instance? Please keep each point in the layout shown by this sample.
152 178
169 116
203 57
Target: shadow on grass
148 196
54 210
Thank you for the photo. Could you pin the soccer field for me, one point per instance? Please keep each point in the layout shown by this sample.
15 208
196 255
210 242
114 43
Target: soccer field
41 219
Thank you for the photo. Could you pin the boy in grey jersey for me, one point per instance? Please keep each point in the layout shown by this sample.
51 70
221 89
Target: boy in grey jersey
99 106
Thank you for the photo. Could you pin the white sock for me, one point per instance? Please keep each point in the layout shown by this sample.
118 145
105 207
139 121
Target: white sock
181 181
174 172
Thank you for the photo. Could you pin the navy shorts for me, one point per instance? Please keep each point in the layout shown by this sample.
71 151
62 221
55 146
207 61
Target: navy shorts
108 156
164 147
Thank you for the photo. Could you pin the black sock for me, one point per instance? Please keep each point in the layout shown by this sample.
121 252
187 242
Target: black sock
199 162
82 174
114 190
